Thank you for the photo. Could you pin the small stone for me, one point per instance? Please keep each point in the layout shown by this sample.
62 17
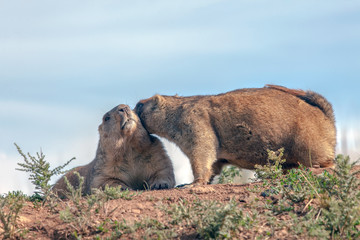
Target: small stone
137 211
202 190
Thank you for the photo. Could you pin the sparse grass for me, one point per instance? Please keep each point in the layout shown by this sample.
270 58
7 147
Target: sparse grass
211 219
79 211
331 200
229 174
102 196
341 204
111 193
154 229
82 210
207 220
271 172
296 203
10 207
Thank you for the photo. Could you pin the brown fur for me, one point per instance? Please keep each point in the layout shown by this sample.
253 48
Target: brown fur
127 155
239 126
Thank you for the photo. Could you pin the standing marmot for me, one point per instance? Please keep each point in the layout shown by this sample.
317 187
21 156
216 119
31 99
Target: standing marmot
239 126
127 155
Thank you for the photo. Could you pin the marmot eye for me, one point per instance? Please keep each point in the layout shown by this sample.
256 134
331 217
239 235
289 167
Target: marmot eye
139 106
107 118
121 110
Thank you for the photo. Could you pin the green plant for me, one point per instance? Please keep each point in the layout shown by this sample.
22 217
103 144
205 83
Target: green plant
228 174
331 201
40 173
154 229
273 169
211 219
119 228
110 193
341 214
79 210
337 194
10 207
102 196
147 228
271 173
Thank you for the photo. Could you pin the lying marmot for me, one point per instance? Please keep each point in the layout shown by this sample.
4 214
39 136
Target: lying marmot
239 126
127 155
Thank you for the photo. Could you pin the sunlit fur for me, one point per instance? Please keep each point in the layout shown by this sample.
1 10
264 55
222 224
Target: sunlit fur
239 126
127 155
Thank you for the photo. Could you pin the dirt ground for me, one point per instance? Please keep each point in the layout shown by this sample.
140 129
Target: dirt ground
46 225
42 223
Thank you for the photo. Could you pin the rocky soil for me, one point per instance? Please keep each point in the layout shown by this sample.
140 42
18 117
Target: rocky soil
144 215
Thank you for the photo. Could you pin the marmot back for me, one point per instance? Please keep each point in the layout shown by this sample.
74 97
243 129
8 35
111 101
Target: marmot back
239 127
311 98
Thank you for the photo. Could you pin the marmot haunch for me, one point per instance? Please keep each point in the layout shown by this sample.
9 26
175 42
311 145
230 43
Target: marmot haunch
127 155
239 127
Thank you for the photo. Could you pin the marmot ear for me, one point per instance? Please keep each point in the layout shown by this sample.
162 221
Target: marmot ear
158 99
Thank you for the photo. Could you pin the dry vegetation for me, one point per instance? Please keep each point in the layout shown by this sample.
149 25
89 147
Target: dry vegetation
300 204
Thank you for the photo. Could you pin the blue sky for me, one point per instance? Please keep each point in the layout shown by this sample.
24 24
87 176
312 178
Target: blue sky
63 64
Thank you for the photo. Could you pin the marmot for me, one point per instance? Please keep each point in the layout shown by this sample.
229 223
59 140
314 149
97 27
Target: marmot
238 127
127 155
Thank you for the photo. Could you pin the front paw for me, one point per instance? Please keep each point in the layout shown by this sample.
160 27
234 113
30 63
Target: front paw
190 185
159 185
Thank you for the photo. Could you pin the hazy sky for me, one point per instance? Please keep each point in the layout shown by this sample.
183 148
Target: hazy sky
63 64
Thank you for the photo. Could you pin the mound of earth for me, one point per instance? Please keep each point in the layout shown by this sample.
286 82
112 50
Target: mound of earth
45 223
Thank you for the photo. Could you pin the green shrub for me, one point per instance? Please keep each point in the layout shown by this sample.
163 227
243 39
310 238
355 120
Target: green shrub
79 211
40 173
272 171
341 214
110 193
229 174
10 207
211 219
332 200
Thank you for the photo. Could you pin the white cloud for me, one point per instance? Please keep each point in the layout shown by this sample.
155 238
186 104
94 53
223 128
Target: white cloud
64 37
148 43
43 109
82 148
11 179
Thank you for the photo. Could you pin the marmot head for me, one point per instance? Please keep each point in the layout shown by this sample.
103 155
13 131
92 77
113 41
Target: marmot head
150 112
118 124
